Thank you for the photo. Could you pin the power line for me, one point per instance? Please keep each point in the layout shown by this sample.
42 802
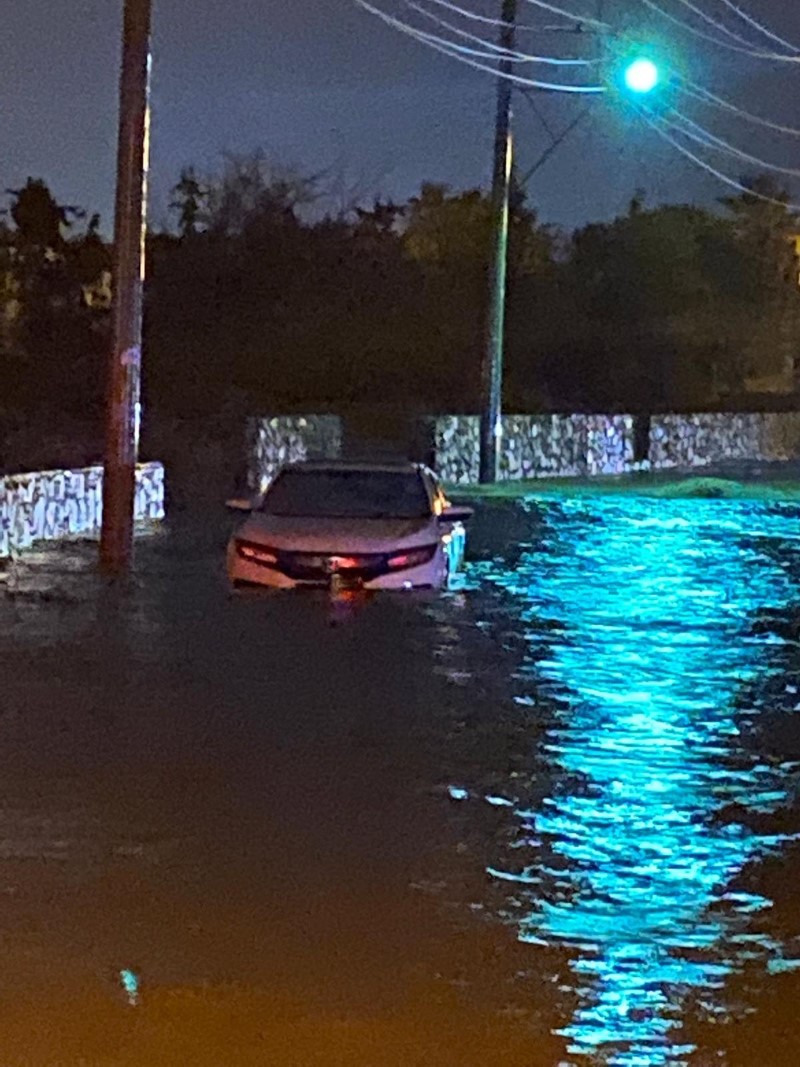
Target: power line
582 20
705 96
687 27
531 102
556 142
498 60
651 121
464 55
465 50
758 26
517 57
702 136
720 26
489 21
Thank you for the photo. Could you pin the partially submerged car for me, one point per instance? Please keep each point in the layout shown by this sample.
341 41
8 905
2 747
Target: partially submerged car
345 524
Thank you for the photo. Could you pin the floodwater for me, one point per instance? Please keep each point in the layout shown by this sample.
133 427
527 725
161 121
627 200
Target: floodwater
550 818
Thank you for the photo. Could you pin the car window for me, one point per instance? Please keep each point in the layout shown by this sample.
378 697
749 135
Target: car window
329 493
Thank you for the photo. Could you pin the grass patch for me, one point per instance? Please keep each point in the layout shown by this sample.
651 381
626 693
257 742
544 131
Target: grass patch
663 486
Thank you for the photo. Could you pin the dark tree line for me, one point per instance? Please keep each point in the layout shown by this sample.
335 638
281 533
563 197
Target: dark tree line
259 294
55 293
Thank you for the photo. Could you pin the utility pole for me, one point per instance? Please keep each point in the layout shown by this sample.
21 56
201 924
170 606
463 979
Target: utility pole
491 409
123 410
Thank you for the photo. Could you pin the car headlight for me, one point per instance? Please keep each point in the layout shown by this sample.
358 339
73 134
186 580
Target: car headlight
255 553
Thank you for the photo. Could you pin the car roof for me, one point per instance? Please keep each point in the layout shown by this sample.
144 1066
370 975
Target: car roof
368 467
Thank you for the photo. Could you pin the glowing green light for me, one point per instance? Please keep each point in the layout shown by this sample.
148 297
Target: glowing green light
641 76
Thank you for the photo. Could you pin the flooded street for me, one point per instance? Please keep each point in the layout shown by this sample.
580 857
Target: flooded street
550 818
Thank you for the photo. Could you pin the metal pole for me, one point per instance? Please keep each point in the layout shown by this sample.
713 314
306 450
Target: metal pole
501 183
123 400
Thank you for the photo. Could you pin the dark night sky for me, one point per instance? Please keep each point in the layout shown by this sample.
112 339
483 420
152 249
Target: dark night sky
319 82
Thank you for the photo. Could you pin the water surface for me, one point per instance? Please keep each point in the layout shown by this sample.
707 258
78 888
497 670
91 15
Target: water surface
547 819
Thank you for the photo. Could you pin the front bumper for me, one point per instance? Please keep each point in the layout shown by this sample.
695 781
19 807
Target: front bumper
429 575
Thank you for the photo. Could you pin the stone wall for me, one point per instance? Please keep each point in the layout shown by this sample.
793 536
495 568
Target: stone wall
537 446
609 443
698 440
289 439
457 448
48 505
542 446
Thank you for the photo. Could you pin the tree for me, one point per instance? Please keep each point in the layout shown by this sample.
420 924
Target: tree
764 275
640 321
39 220
262 293
676 306
90 259
190 201
450 236
57 334
442 229
251 195
379 222
9 302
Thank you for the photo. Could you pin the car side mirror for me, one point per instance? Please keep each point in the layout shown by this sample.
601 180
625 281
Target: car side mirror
457 513
240 503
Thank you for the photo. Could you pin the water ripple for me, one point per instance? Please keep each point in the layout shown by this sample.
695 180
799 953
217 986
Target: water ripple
653 636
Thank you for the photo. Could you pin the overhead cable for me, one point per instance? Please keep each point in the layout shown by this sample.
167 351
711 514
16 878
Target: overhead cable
760 27
700 135
705 96
464 55
720 42
726 179
488 20
580 19
720 27
499 50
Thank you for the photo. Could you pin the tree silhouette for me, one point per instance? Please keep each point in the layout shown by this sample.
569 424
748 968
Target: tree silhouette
190 202
40 221
262 295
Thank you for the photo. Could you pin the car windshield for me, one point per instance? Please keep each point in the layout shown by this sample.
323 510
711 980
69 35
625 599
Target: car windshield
340 494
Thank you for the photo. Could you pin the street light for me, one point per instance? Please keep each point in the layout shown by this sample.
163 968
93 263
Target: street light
636 74
641 75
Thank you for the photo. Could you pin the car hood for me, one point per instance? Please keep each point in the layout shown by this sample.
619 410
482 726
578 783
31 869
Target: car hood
338 535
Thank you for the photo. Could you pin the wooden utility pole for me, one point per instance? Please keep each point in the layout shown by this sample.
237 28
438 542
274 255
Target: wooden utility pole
123 411
492 377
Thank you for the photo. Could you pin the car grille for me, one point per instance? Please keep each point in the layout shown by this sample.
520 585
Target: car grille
313 567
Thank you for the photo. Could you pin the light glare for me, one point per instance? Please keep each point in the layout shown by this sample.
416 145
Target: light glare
641 76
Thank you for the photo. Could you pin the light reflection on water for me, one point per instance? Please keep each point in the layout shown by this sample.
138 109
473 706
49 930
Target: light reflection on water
639 628
635 795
